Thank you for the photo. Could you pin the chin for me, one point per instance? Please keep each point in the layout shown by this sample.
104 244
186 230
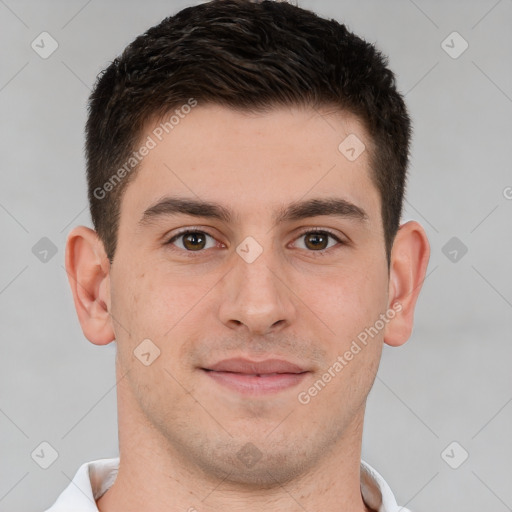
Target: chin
244 464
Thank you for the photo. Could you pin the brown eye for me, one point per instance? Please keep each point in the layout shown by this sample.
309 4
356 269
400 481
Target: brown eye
192 241
318 241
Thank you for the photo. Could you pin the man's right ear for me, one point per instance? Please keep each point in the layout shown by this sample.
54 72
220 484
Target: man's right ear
88 266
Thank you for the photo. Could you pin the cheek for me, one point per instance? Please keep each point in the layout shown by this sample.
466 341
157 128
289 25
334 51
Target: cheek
349 302
149 307
140 298
350 307
156 304
138 309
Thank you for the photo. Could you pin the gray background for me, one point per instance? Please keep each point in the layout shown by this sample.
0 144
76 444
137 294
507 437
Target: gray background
450 382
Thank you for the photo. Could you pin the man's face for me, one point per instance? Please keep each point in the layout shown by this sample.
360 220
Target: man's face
251 289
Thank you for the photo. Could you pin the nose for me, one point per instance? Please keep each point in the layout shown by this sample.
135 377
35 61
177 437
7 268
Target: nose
255 297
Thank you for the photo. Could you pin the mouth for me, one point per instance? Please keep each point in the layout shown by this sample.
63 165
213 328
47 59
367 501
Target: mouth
256 377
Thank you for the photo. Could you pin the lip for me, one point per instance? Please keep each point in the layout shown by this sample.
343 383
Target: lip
248 367
256 377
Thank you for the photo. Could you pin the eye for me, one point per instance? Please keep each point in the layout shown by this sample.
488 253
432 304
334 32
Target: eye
192 240
317 240
195 240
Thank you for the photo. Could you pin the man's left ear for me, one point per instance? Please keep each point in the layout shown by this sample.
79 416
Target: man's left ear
409 261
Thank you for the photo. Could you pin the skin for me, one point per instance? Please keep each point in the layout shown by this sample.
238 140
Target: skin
180 431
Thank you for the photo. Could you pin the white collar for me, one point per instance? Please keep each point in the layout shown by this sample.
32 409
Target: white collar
94 478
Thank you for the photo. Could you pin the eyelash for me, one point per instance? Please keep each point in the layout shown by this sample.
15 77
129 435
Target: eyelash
303 233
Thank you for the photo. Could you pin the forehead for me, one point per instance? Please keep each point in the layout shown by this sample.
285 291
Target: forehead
253 163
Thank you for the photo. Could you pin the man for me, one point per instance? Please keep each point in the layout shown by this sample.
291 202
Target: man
246 169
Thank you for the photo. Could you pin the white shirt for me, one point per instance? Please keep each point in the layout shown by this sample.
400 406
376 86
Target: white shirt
93 479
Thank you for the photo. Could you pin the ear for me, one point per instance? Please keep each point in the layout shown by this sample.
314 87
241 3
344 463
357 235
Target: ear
88 267
408 266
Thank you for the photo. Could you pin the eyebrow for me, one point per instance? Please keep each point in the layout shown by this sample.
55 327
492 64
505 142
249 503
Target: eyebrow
171 206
